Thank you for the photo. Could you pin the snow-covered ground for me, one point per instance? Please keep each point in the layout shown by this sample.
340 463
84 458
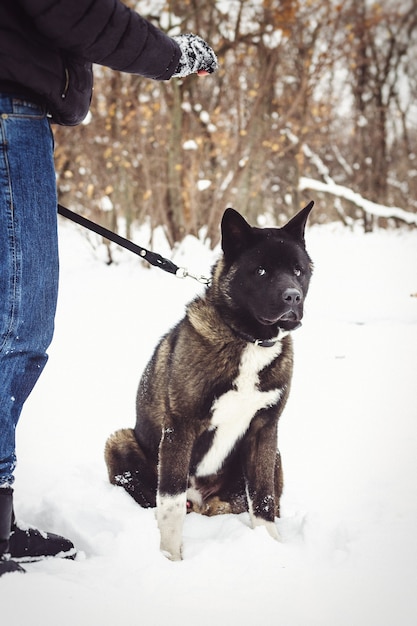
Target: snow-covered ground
348 438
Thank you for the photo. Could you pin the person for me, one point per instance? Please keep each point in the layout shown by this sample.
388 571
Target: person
47 48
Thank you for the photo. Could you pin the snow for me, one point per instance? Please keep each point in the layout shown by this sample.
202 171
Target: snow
190 145
348 437
203 184
368 206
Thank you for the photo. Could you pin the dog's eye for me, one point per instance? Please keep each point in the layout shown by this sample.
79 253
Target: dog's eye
297 270
261 271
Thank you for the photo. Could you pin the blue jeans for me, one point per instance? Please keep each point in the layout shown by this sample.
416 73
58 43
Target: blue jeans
28 261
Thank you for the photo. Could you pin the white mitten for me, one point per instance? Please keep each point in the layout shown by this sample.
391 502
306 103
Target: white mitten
197 56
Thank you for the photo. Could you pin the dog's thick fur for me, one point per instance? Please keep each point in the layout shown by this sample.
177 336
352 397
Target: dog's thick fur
209 401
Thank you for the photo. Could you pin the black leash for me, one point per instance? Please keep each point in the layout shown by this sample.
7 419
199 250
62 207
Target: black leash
151 257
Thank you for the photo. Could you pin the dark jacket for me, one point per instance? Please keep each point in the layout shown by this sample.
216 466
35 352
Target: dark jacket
47 48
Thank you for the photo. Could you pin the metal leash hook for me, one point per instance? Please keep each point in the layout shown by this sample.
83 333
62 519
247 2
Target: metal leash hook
182 272
153 258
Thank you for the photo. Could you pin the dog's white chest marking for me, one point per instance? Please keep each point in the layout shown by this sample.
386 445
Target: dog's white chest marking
233 412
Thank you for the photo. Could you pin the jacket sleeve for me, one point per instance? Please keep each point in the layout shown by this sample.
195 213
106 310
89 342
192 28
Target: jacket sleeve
106 32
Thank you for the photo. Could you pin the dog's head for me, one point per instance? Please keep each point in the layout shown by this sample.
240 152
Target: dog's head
266 272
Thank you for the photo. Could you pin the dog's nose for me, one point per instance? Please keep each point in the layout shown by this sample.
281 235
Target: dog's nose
292 296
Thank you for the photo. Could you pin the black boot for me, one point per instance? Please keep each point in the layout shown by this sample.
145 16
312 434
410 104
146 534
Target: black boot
6 511
27 544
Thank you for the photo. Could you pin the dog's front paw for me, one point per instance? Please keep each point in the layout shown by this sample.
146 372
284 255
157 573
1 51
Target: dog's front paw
270 527
172 554
170 513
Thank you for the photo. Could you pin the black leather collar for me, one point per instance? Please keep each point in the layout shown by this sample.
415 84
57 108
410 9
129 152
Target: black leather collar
265 343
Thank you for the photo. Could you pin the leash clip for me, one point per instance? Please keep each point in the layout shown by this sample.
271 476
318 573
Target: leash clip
182 272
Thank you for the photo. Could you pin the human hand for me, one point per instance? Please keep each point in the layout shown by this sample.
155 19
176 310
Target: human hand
197 56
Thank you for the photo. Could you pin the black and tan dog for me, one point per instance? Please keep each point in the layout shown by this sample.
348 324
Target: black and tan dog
209 400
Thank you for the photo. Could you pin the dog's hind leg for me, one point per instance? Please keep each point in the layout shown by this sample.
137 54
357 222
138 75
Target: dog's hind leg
229 498
129 468
232 498
216 506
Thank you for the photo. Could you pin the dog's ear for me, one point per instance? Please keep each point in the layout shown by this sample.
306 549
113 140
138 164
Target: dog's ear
236 234
296 226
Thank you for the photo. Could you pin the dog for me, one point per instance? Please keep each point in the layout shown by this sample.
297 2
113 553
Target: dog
209 400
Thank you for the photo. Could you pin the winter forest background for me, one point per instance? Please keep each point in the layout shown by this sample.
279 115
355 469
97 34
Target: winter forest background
312 100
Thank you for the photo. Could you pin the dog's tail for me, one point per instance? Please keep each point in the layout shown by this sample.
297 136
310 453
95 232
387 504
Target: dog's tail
129 468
